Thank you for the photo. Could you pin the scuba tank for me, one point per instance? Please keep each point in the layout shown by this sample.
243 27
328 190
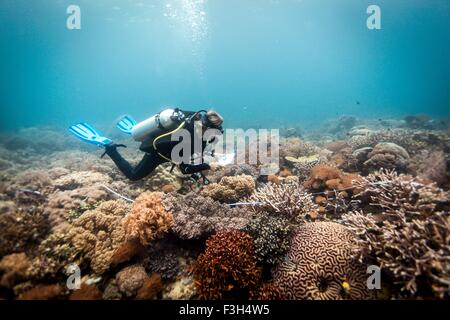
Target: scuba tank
166 120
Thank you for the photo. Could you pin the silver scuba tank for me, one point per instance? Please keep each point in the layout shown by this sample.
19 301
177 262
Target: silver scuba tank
160 123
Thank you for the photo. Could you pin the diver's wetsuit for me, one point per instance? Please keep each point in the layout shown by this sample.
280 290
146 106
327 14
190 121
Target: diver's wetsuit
152 159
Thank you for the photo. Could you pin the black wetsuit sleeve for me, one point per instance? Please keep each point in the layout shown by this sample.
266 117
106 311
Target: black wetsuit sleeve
193 168
148 163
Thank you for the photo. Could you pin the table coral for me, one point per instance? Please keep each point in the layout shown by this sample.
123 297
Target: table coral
98 233
196 216
228 267
319 261
148 218
230 189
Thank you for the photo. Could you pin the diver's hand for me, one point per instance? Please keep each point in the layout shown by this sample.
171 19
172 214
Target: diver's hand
111 147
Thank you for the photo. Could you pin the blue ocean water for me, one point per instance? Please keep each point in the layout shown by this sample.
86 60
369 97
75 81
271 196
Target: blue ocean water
262 63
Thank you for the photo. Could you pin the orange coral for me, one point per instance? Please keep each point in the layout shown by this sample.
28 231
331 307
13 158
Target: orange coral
151 287
43 292
168 188
86 292
273 178
227 268
148 218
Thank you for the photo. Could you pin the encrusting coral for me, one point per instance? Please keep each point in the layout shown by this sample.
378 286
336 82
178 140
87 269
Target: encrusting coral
318 264
97 234
230 189
148 218
228 267
408 232
196 216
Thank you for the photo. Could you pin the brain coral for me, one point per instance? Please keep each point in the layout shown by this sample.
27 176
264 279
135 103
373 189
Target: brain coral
319 261
98 233
196 216
148 218
227 268
230 189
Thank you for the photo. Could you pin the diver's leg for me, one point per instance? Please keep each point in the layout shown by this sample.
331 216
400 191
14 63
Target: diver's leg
148 163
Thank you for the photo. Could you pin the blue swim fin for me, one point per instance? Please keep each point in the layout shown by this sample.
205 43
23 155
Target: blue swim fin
87 133
126 124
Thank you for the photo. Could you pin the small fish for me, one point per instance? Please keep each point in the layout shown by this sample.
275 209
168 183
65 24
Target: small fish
346 287
358 103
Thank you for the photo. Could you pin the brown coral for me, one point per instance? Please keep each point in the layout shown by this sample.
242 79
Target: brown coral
151 288
227 268
148 218
98 233
86 292
43 292
319 262
230 189
14 268
131 279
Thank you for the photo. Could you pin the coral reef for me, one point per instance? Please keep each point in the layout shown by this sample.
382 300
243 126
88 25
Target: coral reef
98 233
408 232
148 218
228 267
86 292
197 216
318 263
230 189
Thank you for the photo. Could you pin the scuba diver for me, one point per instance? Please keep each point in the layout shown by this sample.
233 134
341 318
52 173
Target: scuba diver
155 137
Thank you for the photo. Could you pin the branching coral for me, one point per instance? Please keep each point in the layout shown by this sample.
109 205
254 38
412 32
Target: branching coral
289 199
148 218
230 189
98 233
196 216
227 268
271 236
318 263
409 237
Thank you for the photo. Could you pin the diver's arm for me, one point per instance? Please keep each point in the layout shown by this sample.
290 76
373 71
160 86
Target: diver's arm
193 168
148 163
